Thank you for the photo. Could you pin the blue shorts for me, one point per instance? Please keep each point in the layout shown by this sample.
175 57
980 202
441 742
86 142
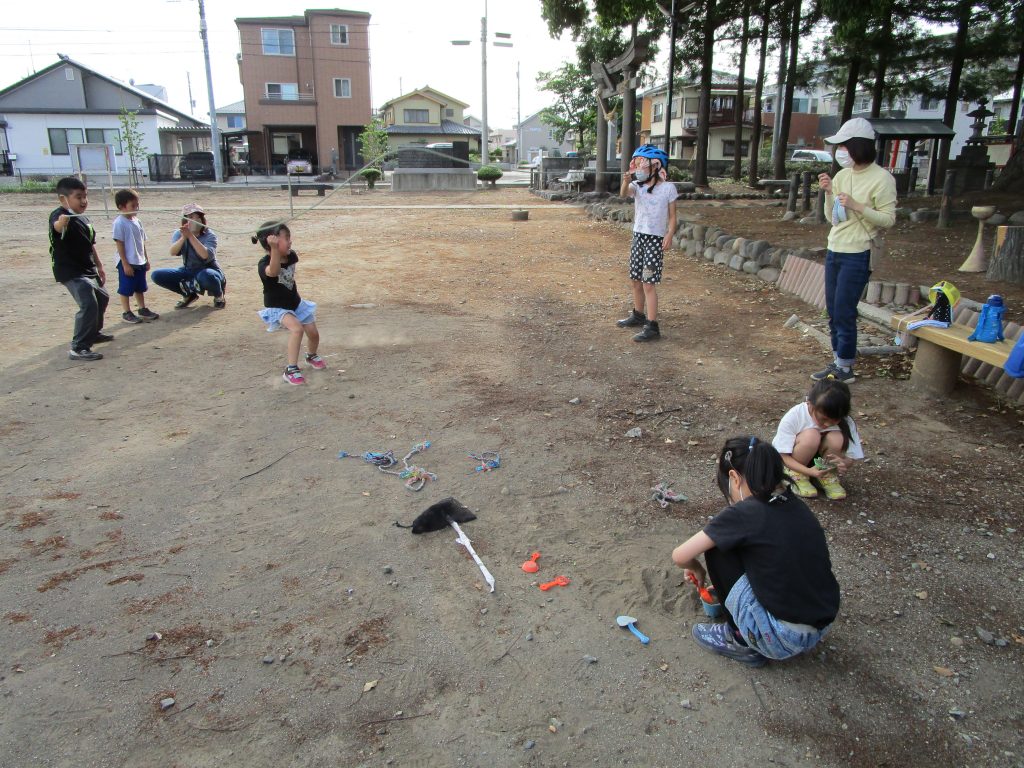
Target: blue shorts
766 634
305 313
129 286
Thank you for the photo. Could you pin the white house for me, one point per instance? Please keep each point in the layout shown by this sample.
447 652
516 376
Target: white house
67 103
539 139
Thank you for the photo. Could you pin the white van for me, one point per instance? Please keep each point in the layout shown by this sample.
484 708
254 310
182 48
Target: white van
811 156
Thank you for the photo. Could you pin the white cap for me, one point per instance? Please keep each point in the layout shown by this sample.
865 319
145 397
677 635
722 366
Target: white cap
857 128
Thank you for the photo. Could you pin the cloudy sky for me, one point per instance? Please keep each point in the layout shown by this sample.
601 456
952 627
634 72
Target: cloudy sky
157 41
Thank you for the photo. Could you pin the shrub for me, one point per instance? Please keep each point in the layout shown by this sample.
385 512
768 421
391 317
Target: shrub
371 174
678 174
489 173
30 185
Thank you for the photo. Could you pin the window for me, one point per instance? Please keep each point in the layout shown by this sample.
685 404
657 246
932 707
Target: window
659 112
729 146
675 108
278 42
769 105
69 73
236 121
690 106
339 34
283 91
928 103
342 88
61 137
449 113
416 115
104 136
800 105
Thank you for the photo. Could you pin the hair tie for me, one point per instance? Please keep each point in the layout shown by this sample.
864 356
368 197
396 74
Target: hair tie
751 446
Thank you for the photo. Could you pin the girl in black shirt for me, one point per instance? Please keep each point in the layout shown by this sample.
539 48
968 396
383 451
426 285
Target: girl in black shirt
766 554
282 305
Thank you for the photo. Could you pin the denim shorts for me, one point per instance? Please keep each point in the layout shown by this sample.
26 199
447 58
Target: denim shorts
766 634
305 312
128 286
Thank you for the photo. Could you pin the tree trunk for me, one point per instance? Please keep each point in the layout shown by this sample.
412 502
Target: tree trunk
884 46
953 88
741 84
1018 80
1008 262
780 79
850 95
700 165
786 114
601 177
755 138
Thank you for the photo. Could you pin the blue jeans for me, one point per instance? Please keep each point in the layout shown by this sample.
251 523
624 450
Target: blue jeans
766 634
846 275
210 281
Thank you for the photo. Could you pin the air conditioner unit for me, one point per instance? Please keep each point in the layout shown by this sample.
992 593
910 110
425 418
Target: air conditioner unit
691 122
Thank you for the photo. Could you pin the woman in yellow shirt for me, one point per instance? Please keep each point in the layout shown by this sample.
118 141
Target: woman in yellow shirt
861 200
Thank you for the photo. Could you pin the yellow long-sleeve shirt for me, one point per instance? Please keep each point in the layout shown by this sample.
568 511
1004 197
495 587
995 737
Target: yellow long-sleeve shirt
876 188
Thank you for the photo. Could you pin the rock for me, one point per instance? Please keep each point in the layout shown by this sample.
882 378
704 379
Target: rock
721 242
209 643
808 220
756 248
1002 642
268 659
1017 219
167 703
686 704
956 642
504 490
588 659
634 432
388 569
957 714
736 262
483 611
576 400
995 220
722 257
737 245
923 215
529 636
529 745
789 215
561 489
985 636
791 322
154 637
750 267
769 274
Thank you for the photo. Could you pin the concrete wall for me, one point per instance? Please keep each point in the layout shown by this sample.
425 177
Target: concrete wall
421 179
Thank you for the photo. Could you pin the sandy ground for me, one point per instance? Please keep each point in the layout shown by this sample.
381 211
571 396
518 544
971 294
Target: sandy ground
130 506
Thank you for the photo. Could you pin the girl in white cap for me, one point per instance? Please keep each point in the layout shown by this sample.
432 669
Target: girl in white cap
861 200
199 272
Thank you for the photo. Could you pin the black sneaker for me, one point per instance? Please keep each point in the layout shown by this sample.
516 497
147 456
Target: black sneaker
650 332
99 337
83 354
186 301
131 317
833 371
147 314
634 320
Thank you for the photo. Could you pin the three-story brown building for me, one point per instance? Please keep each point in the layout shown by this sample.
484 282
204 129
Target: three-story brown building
306 81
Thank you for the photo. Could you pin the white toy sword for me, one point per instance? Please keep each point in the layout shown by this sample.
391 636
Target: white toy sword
463 539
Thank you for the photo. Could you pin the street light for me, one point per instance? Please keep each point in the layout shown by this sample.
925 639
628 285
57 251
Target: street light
484 134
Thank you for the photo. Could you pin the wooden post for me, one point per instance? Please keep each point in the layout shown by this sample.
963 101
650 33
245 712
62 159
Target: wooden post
1008 256
794 185
807 192
819 207
912 180
946 206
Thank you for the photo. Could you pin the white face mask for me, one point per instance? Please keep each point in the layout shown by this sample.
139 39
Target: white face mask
843 158
196 227
641 176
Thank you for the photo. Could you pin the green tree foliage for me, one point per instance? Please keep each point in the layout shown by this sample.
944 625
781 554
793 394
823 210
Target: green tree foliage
373 143
575 108
133 142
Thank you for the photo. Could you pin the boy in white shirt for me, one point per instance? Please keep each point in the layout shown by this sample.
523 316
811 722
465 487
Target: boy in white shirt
133 261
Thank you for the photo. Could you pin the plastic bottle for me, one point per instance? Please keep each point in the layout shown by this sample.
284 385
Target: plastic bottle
990 322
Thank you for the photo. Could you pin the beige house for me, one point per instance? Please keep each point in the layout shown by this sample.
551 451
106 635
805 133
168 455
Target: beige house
427 116
306 82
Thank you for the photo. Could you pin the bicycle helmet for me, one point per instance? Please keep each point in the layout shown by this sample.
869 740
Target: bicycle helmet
652 152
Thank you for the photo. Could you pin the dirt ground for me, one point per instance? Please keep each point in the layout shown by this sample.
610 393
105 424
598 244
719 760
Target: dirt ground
180 487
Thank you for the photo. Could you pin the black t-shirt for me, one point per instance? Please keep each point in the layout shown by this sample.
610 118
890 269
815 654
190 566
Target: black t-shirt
785 556
71 255
280 292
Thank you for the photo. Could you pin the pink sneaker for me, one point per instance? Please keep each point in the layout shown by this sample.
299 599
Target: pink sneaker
293 375
316 361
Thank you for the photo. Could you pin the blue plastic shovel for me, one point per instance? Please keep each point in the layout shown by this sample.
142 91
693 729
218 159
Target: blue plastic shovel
630 623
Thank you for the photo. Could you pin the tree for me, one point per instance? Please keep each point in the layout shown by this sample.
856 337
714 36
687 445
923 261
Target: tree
755 143
133 142
575 108
741 81
373 143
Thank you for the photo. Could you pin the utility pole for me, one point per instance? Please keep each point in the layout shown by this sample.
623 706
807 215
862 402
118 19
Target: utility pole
519 120
191 101
484 138
214 131
671 77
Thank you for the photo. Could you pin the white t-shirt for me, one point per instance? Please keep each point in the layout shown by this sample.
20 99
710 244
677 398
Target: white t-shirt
130 232
798 418
650 214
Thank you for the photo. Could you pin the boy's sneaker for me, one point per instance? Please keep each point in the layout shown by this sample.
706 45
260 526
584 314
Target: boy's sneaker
316 361
84 354
147 314
635 320
186 301
650 332
833 371
830 484
131 317
99 337
220 302
802 485
719 638
293 375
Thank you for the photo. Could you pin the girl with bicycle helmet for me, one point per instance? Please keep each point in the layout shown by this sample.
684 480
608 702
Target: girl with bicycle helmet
654 222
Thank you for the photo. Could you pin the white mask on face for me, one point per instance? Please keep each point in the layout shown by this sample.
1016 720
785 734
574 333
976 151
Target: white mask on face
843 158
196 227
641 176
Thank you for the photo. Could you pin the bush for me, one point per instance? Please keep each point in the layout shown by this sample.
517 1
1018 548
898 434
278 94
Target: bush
678 174
31 185
371 174
489 173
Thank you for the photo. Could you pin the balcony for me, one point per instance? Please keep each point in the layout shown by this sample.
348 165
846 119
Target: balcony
296 99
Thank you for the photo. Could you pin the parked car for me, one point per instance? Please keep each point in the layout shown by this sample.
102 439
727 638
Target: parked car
811 156
300 161
440 145
197 166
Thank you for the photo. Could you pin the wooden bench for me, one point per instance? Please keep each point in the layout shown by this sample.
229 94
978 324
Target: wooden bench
773 185
940 354
320 188
571 178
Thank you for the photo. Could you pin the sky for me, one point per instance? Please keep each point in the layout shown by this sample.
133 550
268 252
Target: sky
157 41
